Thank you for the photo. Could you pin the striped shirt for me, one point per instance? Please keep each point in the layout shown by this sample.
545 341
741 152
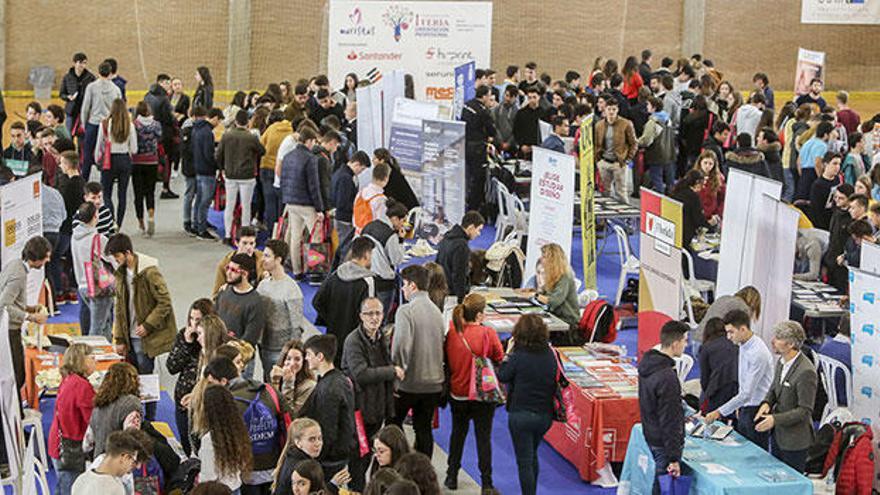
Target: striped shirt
106 223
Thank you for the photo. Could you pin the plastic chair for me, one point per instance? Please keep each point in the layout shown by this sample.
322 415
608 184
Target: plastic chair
629 264
829 367
414 218
34 419
683 366
699 285
503 220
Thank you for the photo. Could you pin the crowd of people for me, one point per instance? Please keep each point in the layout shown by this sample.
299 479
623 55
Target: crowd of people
328 411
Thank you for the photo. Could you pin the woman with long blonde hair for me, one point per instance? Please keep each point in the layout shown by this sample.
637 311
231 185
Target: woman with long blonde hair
211 333
117 130
469 338
558 290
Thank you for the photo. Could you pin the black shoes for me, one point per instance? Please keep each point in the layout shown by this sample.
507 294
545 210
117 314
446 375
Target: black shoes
206 236
169 194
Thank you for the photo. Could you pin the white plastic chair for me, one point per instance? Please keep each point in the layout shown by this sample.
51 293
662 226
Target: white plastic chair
699 285
629 264
34 419
829 367
414 218
504 218
683 366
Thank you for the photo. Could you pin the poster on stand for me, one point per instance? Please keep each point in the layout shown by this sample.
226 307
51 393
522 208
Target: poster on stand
406 131
870 258
441 181
660 238
465 87
840 12
810 65
21 213
588 190
551 214
864 311
429 39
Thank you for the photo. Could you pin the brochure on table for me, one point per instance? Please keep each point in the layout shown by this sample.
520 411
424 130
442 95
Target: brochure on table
552 204
21 213
864 290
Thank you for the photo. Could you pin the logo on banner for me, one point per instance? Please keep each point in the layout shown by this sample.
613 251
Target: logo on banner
441 93
660 228
357 28
355 55
437 53
398 18
9 227
868 296
431 26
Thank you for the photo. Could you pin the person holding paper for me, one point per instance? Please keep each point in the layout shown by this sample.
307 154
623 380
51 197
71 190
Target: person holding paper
753 376
788 407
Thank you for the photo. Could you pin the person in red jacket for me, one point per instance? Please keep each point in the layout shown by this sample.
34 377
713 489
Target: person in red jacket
714 187
73 410
469 338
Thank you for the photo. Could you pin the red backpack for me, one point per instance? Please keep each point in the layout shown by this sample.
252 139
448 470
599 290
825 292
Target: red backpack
599 322
852 458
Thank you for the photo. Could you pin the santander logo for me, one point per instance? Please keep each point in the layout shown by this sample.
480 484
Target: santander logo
352 55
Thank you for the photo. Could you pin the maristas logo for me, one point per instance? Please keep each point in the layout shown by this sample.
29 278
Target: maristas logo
357 27
398 18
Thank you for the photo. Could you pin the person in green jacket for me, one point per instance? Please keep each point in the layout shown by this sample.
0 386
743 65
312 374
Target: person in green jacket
557 288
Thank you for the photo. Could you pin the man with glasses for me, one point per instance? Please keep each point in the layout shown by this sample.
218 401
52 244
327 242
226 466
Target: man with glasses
240 306
120 457
366 359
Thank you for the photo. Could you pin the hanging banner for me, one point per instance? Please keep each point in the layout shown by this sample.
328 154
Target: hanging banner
840 12
810 65
552 205
21 212
441 181
428 38
660 266
870 257
864 307
465 87
588 190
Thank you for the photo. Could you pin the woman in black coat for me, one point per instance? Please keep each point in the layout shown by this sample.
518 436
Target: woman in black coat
693 128
718 366
398 187
204 96
687 192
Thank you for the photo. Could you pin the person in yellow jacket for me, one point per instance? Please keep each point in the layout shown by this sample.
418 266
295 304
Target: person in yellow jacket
279 128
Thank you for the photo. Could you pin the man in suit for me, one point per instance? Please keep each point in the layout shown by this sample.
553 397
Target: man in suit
788 408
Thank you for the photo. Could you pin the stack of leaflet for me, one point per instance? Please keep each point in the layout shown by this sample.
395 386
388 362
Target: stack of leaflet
600 378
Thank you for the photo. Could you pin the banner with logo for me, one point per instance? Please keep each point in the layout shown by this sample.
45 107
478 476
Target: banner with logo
441 180
465 87
810 65
660 245
428 39
552 204
10 401
864 308
22 215
840 12
588 190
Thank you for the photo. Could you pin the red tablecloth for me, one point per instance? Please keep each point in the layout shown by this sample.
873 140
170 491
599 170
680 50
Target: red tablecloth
601 433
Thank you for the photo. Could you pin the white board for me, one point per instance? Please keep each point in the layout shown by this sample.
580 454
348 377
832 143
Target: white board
552 204
21 213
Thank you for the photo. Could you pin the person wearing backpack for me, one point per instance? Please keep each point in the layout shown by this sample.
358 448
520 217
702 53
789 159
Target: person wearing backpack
83 245
658 139
261 408
370 203
386 233
467 341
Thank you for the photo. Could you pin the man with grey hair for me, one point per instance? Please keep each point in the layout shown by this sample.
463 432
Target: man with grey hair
788 407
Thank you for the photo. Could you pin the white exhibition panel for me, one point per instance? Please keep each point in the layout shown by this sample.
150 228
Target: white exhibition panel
870 261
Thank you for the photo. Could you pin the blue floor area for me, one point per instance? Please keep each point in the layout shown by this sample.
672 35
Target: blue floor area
557 474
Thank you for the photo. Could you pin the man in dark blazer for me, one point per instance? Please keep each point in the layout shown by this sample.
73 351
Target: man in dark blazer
788 408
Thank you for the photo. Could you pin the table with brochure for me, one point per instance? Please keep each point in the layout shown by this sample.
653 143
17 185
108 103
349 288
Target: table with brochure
817 299
504 307
605 406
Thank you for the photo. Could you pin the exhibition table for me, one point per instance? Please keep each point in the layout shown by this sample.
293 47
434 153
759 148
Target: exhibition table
605 403
817 299
609 207
733 466
504 306
37 361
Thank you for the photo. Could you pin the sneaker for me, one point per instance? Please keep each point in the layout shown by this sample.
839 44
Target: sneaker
207 236
190 231
60 299
151 228
169 194
451 482
72 297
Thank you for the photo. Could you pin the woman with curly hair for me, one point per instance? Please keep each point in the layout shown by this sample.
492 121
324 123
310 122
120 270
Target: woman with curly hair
291 375
116 399
225 451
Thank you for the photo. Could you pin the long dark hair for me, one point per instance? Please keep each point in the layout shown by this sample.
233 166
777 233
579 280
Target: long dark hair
304 373
345 89
395 439
205 74
229 435
466 312
312 471
630 68
610 68
690 179
714 329
239 99
384 155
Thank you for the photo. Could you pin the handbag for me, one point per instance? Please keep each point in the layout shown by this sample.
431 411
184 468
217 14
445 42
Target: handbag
484 385
318 255
106 162
99 278
279 230
563 400
72 457
671 485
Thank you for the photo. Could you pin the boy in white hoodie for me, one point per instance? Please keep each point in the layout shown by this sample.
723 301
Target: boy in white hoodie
82 244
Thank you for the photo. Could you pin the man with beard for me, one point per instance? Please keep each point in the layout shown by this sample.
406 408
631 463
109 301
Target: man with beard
240 306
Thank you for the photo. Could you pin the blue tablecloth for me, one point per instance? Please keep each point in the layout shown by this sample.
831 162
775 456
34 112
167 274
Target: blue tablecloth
752 468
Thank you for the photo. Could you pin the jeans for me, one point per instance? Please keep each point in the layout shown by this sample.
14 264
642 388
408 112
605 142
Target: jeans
181 417
788 185
120 169
745 425
422 407
65 479
614 174
268 358
62 250
463 411
53 268
662 177
88 154
797 459
358 465
100 310
233 188
527 429
805 183
204 196
661 463
271 198
143 178
144 366
300 217
343 229
189 197
85 316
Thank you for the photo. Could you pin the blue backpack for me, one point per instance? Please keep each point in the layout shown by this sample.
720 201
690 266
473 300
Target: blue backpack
262 424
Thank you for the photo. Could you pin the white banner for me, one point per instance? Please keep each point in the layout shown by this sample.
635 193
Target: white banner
810 65
870 257
840 12
9 400
21 212
551 213
429 38
864 310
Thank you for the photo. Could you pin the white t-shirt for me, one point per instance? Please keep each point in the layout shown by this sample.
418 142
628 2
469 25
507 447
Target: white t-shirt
208 470
92 483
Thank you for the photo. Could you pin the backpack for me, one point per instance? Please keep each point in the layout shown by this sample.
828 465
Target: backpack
662 149
852 457
362 214
598 322
264 429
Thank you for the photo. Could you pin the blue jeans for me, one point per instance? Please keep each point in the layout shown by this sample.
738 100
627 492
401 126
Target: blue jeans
661 463
662 177
62 249
64 479
85 316
53 268
204 196
268 358
144 366
88 152
189 197
788 185
120 170
100 311
271 198
527 429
